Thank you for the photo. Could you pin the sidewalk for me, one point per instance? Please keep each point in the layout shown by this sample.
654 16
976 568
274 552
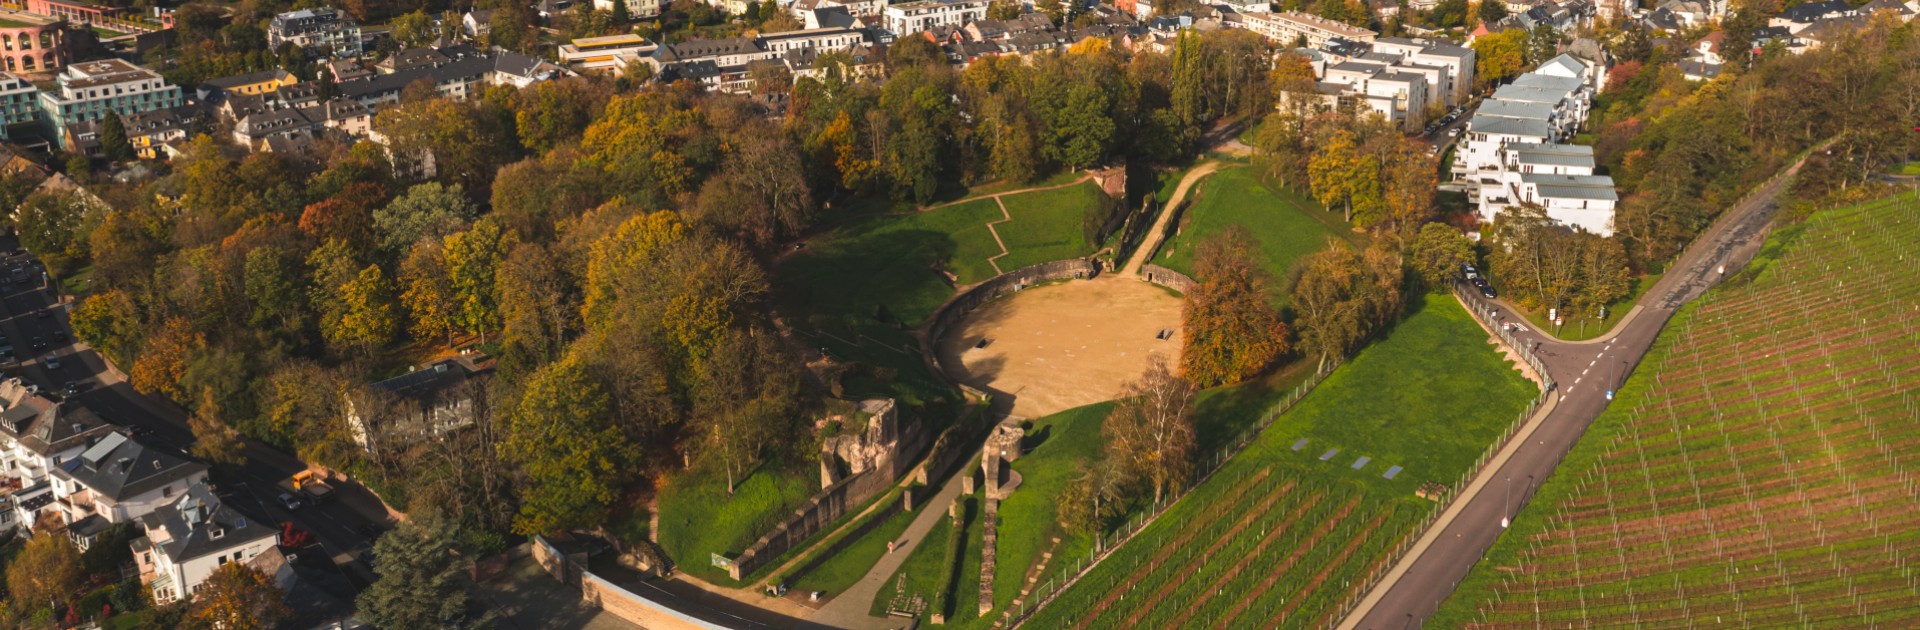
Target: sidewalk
849 609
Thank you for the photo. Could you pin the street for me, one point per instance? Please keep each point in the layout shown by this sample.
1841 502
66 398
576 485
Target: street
31 318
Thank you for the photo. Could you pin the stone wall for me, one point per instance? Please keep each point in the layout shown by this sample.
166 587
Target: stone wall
636 609
957 307
819 512
1167 278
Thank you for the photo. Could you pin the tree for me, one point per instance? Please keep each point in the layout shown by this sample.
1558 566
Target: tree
1448 14
428 210
1410 179
237 597
1342 297
1438 252
620 15
367 317
110 322
1150 434
1499 56
1091 498
1492 11
113 139
1344 176
46 571
761 192
1543 42
745 391
537 313
1232 332
412 30
427 292
162 363
473 260
420 582
213 440
1189 84
54 224
575 457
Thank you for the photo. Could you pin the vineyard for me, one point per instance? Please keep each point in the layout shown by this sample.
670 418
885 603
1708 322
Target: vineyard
1285 535
1757 471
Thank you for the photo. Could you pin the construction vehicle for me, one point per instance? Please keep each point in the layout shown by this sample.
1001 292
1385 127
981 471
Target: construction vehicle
308 486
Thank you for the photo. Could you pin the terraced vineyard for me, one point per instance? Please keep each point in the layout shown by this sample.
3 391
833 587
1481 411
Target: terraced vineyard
1760 470
1292 528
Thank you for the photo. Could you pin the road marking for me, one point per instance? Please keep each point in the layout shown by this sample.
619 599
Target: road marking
1584 372
1595 360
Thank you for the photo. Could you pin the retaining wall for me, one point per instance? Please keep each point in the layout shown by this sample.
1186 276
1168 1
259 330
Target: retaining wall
957 307
1167 278
820 511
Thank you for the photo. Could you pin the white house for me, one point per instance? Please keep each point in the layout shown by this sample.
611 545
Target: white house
117 480
1479 153
1399 95
192 536
1286 28
1458 61
1581 201
921 15
36 436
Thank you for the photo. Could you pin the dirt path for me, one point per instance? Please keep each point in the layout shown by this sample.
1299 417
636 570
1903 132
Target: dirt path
1159 230
995 231
850 609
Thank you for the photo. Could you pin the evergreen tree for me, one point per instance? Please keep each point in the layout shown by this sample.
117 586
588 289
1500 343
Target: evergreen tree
620 12
113 139
420 584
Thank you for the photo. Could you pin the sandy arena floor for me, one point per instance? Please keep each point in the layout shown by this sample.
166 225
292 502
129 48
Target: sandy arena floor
1061 346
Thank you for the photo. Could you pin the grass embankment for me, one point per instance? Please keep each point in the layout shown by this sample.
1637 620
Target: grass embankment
1049 225
1584 328
1431 397
698 518
1281 222
1749 472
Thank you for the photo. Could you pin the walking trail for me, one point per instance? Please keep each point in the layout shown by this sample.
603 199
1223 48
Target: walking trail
1159 231
849 609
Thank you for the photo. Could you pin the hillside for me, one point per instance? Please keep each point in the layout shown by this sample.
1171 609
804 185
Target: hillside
1754 472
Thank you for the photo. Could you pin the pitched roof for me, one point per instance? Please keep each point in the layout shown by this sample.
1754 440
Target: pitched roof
118 468
199 525
1510 126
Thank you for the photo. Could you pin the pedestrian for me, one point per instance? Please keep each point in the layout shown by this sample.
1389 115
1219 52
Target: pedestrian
889 546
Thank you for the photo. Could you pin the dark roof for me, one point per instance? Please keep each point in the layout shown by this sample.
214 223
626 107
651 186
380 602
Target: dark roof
470 68
411 58
1811 11
429 381
46 427
705 48
198 524
117 467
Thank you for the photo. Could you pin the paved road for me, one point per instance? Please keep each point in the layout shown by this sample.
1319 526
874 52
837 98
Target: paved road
1584 372
30 317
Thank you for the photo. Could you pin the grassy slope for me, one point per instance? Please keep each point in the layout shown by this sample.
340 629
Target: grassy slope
1047 225
1028 517
1234 196
847 565
1431 397
889 261
1583 328
697 517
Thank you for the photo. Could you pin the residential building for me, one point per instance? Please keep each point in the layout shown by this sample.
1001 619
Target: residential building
1245 6
325 28
1581 201
459 78
73 11
1288 28
425 403
1590 74
250 84
921 15
610 53
149 132
90 91
1510 154
117 480
407 59
186 540
1456 85
345 115
1399 96
31 44
857 8
38 435
344 70
477 23
19 107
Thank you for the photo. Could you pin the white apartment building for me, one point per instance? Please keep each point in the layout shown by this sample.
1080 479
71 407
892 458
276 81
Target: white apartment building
1479 150
1244 7
1457 85
921 15
1592 75
37 435
1398 95
324 27
641 9
190 537
1286 28
1581 201
609 53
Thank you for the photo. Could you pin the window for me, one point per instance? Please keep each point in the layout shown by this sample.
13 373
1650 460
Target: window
166 492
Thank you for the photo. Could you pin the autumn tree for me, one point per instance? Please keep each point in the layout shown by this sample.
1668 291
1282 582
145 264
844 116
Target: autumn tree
536 310
367 315
1409 181
237 597
575 457
1342 175
421 582
162 362
1342 297
1499 56
46 571
213 439
110 322
54 224
1232 331
473 259
1150 436
1437 253
428 210
761 192
1090 499
427 292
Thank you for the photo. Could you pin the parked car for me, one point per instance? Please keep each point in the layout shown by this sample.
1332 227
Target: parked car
51 362
39 344
73 387
1487 291
289 502
60 335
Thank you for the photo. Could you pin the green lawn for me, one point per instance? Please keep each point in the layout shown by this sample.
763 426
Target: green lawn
1029 517
1910 167
1584 328
845 566
1431 396
697 518
941 562
891 261
1048 225
1235 196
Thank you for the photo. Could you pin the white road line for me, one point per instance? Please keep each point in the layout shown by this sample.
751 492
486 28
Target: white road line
1584 372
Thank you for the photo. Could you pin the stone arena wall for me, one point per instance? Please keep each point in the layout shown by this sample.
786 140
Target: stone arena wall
1167 278
957 307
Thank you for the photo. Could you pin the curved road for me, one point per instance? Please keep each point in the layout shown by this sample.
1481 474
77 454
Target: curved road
1583 372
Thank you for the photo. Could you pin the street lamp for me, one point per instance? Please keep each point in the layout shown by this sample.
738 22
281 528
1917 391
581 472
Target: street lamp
1506 505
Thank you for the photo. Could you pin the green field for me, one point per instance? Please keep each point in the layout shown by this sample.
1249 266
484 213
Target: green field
844 567
1752 472
1280 222
697 518
1048 225
945 560
1278 534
